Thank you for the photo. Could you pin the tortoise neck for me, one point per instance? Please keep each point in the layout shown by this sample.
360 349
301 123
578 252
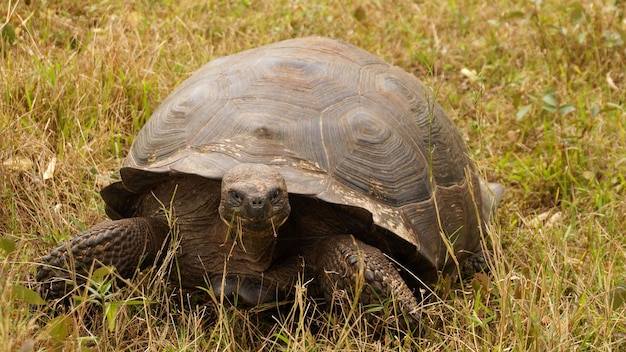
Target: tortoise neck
257 247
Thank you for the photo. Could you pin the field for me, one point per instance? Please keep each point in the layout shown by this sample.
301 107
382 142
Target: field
537 89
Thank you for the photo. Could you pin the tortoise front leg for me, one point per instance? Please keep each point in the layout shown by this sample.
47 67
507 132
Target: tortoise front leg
125 244
345 265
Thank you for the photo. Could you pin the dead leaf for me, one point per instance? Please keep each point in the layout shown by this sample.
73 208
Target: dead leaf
49 173
18 164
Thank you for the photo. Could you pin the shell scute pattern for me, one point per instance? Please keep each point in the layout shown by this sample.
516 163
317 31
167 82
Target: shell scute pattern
337 122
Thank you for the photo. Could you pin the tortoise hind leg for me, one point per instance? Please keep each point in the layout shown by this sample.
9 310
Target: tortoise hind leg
345 264
477 262
125 244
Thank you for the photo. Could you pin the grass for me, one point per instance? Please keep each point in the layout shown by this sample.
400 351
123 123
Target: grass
538 90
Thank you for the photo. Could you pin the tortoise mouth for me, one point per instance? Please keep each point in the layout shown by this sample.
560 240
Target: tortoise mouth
258 224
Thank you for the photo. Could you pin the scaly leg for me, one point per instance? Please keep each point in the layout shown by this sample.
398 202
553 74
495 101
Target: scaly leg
347 265
125 244
477 262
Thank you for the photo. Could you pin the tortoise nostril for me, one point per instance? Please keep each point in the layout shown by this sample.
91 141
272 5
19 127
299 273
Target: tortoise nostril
257 202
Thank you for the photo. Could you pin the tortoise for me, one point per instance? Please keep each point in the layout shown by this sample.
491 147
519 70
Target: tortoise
308 160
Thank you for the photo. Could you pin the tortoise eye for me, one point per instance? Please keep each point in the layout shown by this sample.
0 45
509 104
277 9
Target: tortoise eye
276 195
235 198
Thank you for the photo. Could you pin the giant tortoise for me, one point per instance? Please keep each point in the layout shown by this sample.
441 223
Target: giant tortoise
308 160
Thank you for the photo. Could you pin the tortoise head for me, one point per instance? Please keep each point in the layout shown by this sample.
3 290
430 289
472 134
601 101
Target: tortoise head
255 199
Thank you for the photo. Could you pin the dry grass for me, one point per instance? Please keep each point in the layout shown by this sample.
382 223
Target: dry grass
538 90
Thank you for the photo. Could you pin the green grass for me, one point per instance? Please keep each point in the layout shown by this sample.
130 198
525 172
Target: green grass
537 88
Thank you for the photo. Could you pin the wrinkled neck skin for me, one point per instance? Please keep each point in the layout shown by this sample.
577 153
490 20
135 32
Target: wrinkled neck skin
255 247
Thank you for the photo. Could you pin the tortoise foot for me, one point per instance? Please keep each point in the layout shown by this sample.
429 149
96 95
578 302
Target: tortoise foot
476 263
350 270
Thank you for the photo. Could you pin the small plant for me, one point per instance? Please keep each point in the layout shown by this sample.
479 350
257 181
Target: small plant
99 292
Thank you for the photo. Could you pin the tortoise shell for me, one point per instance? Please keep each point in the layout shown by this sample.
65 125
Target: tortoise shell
339 124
